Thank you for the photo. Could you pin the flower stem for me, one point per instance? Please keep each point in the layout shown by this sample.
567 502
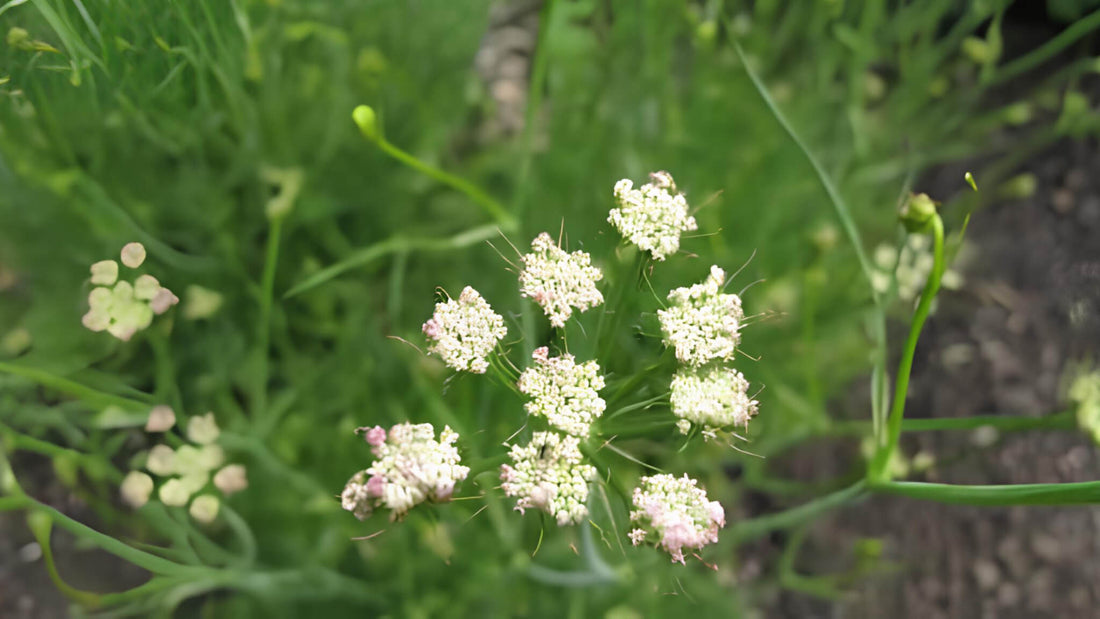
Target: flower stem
1077 493
748 530
495 209
879 466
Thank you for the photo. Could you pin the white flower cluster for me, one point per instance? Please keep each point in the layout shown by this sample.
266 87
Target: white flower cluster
187 469
410 467
675 514
120 307
911 267
563 391
652 216
464 331
703 323
713 398
549 473
559 281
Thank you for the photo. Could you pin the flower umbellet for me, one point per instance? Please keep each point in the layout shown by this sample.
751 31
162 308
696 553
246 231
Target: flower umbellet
410 467
652 216
120 307
559 281
185 471
549 473
675 514
712 398
563 391
464 331
703 323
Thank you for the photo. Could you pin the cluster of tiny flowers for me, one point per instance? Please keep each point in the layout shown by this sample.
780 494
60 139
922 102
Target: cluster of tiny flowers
559 281
675 514
563 392
410 467
713 398
703 323
652 216
186 470
464 331
120 307
911 268
549 474
1084 392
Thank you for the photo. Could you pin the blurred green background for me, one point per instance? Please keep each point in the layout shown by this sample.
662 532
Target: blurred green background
177 124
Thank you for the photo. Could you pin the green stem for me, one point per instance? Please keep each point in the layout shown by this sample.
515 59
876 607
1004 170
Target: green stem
139 558
748 530
40 525
839 205
878 469
366 255
1025 63
1077 493
84 393
495 209
267 298
1065 420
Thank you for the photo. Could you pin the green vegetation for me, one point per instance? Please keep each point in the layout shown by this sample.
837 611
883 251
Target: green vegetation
220 135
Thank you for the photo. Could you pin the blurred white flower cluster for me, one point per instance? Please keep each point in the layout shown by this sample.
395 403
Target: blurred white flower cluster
713 398
910 267
675 514
652 216
186 470
563 392
464 331
1084 392
120 307
549 474
410 467
559 281
703 323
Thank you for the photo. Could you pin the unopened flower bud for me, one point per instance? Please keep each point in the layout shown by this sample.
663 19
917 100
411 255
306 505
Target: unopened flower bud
136 488
917 212
367 121
205 508
161 419
232 478
133 254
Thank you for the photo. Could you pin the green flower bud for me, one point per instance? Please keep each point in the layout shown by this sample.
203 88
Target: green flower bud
917 212
367 121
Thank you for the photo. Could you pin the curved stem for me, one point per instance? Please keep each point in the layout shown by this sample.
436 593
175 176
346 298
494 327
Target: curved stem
1029 61
879 466
495 209
79 391
748 530
1077 493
